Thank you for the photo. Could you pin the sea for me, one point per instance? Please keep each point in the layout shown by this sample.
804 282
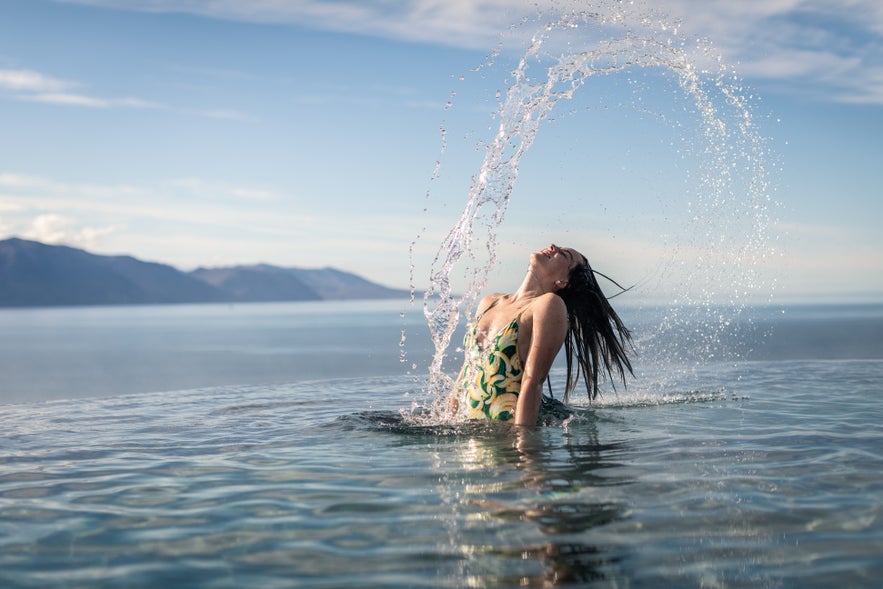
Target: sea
288 445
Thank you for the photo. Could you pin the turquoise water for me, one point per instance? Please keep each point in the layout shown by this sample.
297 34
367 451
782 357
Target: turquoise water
760 472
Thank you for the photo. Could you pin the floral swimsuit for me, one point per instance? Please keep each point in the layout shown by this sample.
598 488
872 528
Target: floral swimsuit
491 377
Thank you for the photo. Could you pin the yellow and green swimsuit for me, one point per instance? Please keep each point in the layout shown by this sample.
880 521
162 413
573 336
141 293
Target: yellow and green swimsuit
491 377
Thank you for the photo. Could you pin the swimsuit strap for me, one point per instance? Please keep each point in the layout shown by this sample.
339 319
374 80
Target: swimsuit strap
492 337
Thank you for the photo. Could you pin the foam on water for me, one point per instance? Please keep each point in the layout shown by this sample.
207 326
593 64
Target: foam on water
723 235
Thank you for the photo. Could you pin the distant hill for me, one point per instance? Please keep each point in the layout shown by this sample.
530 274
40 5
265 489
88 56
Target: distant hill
256 283
33 274
263 282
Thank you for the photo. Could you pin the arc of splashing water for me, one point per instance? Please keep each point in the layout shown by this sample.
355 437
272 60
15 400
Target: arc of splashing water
525 106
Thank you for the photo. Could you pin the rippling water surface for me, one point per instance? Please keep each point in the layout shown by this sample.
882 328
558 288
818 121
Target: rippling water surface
750 474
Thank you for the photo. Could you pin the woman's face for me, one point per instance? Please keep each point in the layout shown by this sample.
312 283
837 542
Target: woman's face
557 262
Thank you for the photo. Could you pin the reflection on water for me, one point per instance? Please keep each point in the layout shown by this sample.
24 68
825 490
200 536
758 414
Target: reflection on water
774 484
523 506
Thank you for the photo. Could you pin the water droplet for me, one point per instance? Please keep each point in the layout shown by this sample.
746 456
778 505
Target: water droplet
726 229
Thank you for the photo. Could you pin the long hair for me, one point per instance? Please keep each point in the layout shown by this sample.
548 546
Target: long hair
596 336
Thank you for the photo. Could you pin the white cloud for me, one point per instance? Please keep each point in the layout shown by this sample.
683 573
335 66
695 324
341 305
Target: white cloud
193 221
53 228
39 186
71 99
67 99
830 49
30 81
207 189
49 228
17 181
32 86
218 205
451 22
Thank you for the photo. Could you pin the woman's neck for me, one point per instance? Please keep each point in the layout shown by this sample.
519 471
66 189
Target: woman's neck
531 287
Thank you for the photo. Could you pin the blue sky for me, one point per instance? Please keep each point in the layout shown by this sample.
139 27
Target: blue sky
209 132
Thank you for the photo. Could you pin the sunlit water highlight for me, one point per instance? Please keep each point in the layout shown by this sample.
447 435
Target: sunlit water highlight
764 472
767 476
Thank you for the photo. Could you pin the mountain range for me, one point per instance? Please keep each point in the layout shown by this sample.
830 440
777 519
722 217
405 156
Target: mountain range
34 274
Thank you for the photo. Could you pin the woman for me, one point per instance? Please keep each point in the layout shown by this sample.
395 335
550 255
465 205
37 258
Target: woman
511 344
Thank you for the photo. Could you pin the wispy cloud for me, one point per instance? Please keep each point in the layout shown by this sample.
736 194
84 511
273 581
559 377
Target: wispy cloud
467 23
37 185
30 81
54 211
71 99
52 228
209 190
217 222
67 99
830 50
32 86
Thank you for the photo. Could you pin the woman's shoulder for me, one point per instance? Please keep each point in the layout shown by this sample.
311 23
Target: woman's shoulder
486 302
549 304
551 300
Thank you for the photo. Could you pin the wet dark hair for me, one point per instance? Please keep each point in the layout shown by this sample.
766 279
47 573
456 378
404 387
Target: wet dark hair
596 336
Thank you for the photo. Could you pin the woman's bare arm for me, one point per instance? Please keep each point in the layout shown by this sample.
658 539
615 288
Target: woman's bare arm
549 328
